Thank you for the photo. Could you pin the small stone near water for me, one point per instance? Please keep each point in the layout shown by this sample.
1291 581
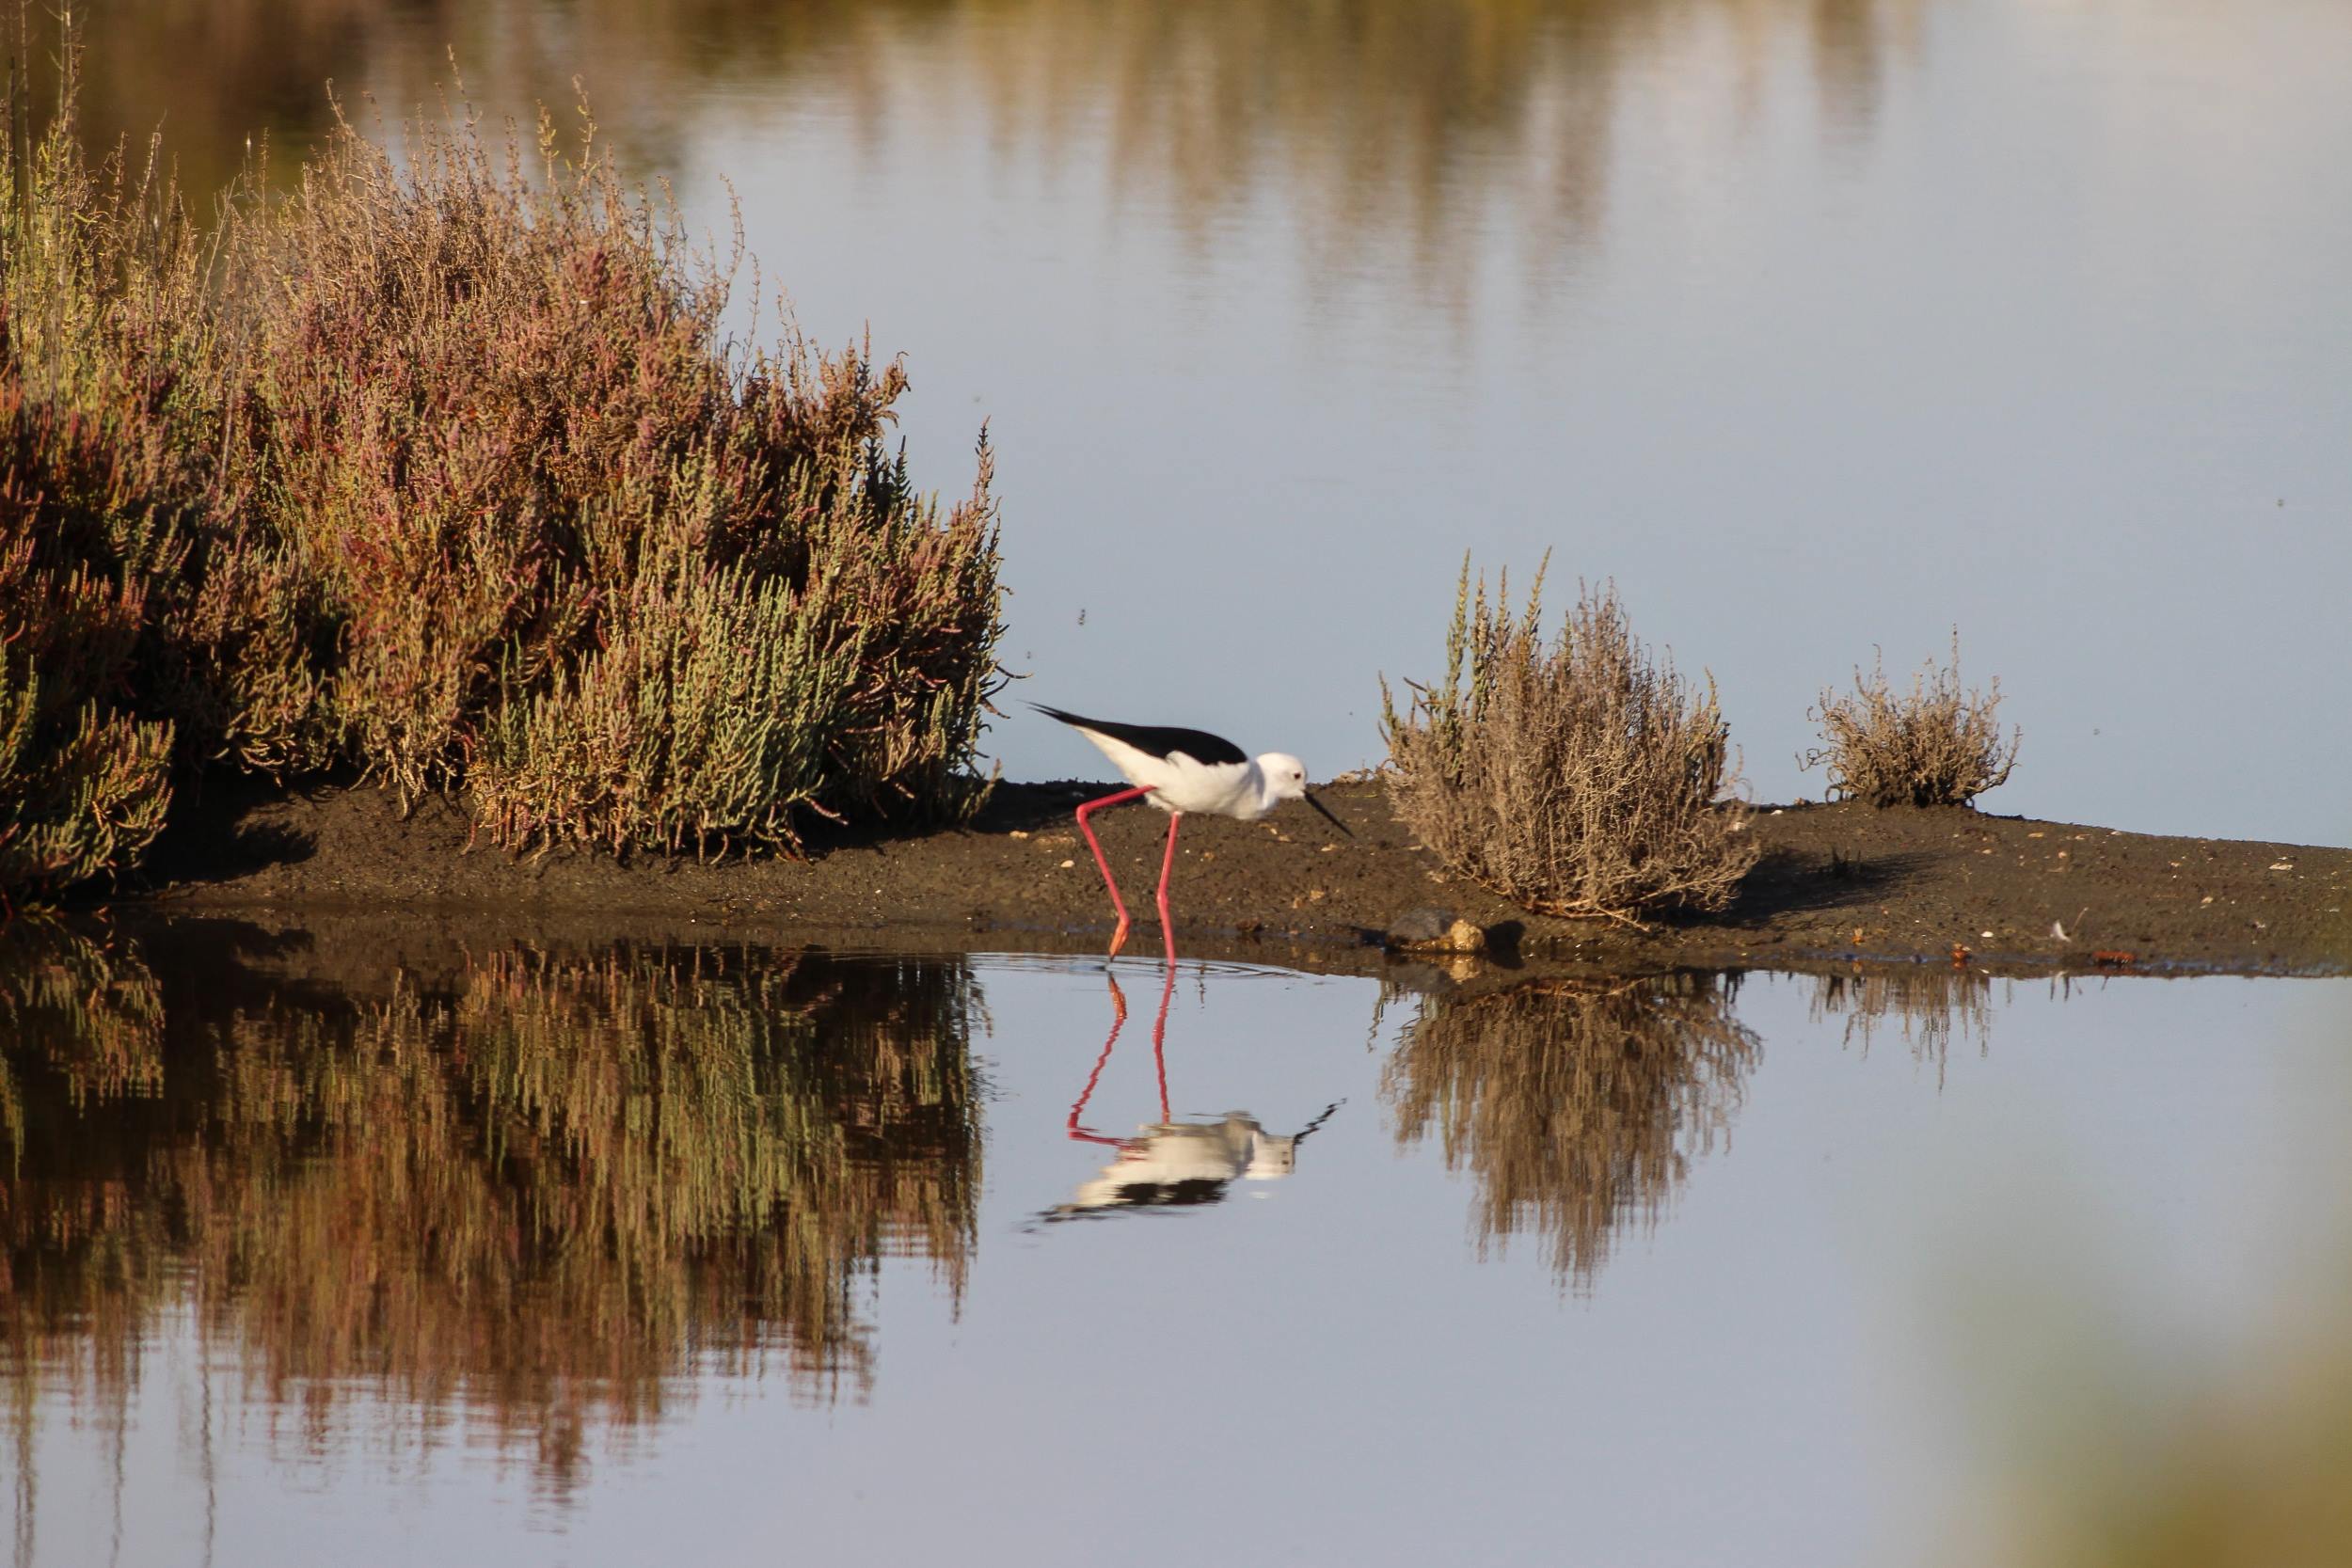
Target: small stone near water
1438 931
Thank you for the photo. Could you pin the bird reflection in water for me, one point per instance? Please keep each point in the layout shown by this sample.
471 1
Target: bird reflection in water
1171 1163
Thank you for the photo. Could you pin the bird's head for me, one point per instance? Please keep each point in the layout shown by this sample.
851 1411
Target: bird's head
1286 780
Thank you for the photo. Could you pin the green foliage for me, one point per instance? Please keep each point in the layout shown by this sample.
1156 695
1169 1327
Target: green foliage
704 715
78 799
445 467
84 783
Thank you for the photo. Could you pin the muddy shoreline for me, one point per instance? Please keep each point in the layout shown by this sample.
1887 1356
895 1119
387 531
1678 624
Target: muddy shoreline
1836 883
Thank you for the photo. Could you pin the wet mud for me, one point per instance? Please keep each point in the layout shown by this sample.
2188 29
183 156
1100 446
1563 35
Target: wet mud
1834 883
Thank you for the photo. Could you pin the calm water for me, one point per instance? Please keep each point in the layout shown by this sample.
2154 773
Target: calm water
1820 325
465 1251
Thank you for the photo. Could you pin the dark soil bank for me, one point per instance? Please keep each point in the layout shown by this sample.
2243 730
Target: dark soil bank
1835 882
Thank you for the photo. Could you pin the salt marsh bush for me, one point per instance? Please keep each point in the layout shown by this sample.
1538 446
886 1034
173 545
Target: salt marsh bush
1577 777
633 588
84 783
80 796
1939 746
445 467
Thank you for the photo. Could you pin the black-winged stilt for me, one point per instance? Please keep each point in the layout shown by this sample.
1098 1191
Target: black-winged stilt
1181 770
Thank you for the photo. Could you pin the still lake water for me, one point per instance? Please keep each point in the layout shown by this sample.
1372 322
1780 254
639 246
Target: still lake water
1820 326
612 1254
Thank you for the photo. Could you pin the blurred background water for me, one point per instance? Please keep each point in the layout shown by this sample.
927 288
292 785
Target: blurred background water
1820 326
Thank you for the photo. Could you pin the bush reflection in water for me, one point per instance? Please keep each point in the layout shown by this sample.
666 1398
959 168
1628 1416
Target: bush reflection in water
535 1192
1386 118
1578 1104
1929 1005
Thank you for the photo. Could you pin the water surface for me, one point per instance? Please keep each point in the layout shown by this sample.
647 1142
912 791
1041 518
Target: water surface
598 1253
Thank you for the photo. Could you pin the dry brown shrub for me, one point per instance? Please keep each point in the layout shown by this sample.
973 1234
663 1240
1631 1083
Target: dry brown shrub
1937 747
1577 778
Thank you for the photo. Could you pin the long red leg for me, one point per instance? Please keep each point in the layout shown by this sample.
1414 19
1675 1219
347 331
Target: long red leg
1118 1021
1159 1040
1119 937
1159 1060
1167 864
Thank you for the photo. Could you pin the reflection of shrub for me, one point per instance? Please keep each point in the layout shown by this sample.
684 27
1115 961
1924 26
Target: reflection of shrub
1930 1003
541 1196
449 470
1937 747
1577 1105
1578 779
88 1019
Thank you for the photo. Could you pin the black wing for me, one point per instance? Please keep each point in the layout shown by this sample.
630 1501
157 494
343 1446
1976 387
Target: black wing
1159 740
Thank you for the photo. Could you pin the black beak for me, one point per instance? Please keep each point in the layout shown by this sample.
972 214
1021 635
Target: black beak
1326 813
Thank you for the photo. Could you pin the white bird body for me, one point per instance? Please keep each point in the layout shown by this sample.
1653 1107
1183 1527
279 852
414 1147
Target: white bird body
1179 771
1192 769
1181 781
